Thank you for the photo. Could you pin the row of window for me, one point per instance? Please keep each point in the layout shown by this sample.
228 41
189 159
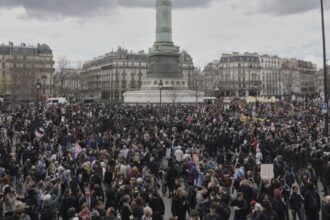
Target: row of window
241 65
240 58
27 58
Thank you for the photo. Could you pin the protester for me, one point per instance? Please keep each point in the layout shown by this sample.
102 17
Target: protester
312 203
240 206
296 201
98 157
180 205
326 208
157 206
213 215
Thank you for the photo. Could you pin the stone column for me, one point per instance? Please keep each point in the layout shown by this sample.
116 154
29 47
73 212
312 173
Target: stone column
163 21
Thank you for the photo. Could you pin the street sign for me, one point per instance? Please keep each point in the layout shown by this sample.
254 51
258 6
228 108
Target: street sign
324 108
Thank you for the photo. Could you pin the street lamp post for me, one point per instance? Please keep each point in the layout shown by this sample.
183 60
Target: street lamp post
38 86
160 86
196 87
326 116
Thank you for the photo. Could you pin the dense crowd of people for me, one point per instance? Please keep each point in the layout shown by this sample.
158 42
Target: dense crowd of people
108 161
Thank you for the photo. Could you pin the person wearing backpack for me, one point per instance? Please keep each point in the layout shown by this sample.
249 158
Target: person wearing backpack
312 203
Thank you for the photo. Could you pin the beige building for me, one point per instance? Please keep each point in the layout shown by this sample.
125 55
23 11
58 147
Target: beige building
259 75
239 75
270 75
109 76
22 66
299 77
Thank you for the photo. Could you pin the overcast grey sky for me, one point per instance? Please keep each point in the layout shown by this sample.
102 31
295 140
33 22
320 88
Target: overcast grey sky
84 29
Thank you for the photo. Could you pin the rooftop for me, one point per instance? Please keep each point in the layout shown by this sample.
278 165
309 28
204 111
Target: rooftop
24 49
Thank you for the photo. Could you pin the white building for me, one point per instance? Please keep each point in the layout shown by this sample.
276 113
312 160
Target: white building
260 75
238 75
271 76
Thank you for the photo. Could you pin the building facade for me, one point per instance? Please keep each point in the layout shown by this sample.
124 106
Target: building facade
299 77
109 76
271 75
211 78
68 84
22 66
251 74
239 75
319 81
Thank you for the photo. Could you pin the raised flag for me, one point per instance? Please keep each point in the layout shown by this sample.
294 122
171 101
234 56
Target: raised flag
39 132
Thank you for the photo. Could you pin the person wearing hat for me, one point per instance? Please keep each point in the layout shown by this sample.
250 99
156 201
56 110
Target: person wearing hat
256 210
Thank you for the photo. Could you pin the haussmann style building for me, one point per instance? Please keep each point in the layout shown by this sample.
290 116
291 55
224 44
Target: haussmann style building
109 76
21 66
251 74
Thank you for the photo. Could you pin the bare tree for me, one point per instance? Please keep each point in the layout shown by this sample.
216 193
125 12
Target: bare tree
61 63
288 82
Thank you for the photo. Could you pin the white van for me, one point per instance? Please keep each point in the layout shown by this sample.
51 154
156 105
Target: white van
210 100
56 101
